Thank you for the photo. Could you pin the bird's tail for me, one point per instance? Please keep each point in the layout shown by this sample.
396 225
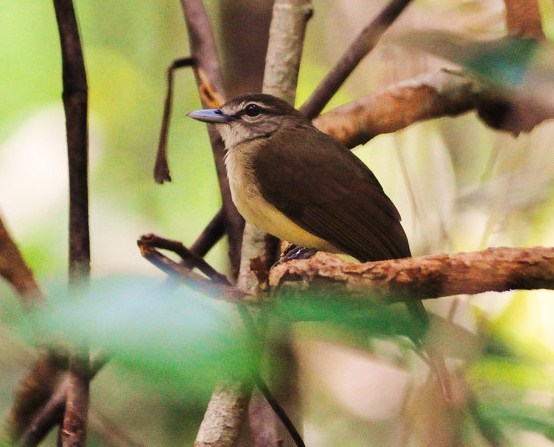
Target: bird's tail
436 359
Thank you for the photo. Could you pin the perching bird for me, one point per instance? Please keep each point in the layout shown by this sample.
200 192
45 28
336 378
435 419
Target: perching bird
299 184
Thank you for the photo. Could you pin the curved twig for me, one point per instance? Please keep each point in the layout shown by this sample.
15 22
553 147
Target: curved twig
362 45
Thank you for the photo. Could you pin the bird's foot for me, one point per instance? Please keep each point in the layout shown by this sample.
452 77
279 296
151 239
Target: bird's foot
296 252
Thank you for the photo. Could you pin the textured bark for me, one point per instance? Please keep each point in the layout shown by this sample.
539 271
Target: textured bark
429 96
286 40
73 432
494 269
225 414
445 93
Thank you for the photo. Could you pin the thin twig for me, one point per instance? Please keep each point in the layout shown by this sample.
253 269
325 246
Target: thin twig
73 432
218 290
211 235
190 259
161 167
148 243
364 43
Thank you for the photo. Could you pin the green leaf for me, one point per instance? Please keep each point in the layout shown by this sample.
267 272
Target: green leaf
179 337
510 372
505 61
521 416
368 317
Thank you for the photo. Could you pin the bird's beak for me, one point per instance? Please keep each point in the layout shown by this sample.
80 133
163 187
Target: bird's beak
212 116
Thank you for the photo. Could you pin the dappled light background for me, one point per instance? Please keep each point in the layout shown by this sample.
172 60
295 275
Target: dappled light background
459 186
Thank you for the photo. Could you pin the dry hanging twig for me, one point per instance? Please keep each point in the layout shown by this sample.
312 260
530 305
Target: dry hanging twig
161 167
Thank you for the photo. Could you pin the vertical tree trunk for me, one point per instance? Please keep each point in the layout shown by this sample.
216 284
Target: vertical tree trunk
245 25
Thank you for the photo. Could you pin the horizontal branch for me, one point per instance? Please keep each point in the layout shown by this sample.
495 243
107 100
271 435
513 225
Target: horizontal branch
445 93
494 269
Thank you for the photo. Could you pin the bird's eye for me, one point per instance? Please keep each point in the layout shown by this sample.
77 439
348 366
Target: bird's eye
252 110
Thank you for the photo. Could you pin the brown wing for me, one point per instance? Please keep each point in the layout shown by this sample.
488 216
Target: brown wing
328 191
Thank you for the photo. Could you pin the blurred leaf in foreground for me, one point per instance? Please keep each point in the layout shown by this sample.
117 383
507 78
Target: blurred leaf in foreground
519 69
518 415
505 61
367 317
178 338
510 372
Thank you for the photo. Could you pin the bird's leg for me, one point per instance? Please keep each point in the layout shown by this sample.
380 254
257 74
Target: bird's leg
294 251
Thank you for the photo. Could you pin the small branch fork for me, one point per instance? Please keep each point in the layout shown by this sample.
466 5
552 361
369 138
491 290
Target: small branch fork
234 394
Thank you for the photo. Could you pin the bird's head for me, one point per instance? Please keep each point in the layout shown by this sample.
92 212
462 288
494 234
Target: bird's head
249 117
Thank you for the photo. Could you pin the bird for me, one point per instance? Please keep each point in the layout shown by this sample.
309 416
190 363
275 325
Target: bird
301 185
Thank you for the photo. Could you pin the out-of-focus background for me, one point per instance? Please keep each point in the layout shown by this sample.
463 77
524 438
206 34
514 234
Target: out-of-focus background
459 186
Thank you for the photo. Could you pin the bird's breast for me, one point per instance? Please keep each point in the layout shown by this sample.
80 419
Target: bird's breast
257 211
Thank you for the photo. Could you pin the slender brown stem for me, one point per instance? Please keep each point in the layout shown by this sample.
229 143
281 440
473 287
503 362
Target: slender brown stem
161 167
207 66
73 432
217 288
364 43
190 259
213 232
